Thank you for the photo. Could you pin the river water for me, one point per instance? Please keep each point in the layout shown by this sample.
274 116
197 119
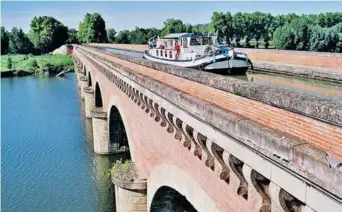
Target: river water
47 158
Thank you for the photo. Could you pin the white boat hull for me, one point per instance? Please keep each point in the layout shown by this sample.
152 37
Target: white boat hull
219 62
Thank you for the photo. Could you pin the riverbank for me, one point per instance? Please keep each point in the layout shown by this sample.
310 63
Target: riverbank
22 65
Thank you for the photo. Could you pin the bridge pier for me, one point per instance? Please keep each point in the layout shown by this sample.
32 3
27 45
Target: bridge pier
88 100
130 196
100 131
83 84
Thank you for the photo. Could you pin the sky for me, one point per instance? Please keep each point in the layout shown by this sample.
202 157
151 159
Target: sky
128 14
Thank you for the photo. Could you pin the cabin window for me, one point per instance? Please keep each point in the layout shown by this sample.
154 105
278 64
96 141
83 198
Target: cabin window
157 52
207 41
165 54
195 42
170 54
184 43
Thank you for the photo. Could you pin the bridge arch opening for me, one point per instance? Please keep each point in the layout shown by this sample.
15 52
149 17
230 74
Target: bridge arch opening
89 80
98 96
85 70
117 132
168 199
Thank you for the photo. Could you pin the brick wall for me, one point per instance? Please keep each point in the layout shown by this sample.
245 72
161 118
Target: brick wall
308 130
152 146
327 60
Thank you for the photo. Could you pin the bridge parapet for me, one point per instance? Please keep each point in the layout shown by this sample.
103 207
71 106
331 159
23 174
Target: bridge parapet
272 169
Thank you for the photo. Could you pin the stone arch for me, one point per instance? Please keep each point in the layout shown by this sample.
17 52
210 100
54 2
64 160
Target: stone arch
168 198
85 70
90 83
98 96
117 133
114 110
179 180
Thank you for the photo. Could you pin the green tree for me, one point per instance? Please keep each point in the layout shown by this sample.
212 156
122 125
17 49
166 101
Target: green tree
239 26
122 37
173 26
4 41
92 29
138 36
19 43
111 35
47 33
219 23
72 36
9 63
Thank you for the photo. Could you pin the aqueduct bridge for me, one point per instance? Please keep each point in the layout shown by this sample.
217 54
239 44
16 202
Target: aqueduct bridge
224 144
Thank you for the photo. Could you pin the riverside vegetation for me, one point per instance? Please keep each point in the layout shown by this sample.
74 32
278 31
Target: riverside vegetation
124 171
19 64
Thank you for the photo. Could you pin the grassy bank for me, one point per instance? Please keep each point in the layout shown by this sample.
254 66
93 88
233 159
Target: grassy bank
36 64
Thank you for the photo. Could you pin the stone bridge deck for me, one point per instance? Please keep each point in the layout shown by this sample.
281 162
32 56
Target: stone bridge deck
226 144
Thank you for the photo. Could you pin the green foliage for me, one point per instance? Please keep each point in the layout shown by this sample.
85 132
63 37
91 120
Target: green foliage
111 35
303 34
47 33
51 63
326 39
4 41
92 29
136 36
173 26
72 36
124 171
122 37
9 63
19 43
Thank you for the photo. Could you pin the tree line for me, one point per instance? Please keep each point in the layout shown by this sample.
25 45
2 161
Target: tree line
314 32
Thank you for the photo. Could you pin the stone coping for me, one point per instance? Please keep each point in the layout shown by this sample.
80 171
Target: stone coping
301 158
89 90
325 110
98 113
130 185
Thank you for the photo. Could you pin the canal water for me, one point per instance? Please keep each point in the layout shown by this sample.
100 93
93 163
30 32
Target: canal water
322 89
47 160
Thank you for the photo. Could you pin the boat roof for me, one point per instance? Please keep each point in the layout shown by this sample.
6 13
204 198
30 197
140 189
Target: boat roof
185 35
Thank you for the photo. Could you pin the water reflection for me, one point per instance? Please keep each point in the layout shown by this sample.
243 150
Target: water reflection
323 89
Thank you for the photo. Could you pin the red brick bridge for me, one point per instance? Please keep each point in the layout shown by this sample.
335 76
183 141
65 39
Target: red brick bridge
224 144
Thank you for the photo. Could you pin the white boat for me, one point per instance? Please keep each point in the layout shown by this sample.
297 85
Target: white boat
196 51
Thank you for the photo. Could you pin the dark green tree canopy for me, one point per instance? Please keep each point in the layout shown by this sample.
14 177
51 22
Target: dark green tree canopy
4 41
111 35
19 43
123 37
173 26
92 29
47 33
72 36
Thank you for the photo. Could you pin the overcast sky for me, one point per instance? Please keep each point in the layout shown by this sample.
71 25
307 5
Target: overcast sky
127 15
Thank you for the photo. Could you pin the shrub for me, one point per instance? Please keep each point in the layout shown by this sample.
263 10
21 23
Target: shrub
123 171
